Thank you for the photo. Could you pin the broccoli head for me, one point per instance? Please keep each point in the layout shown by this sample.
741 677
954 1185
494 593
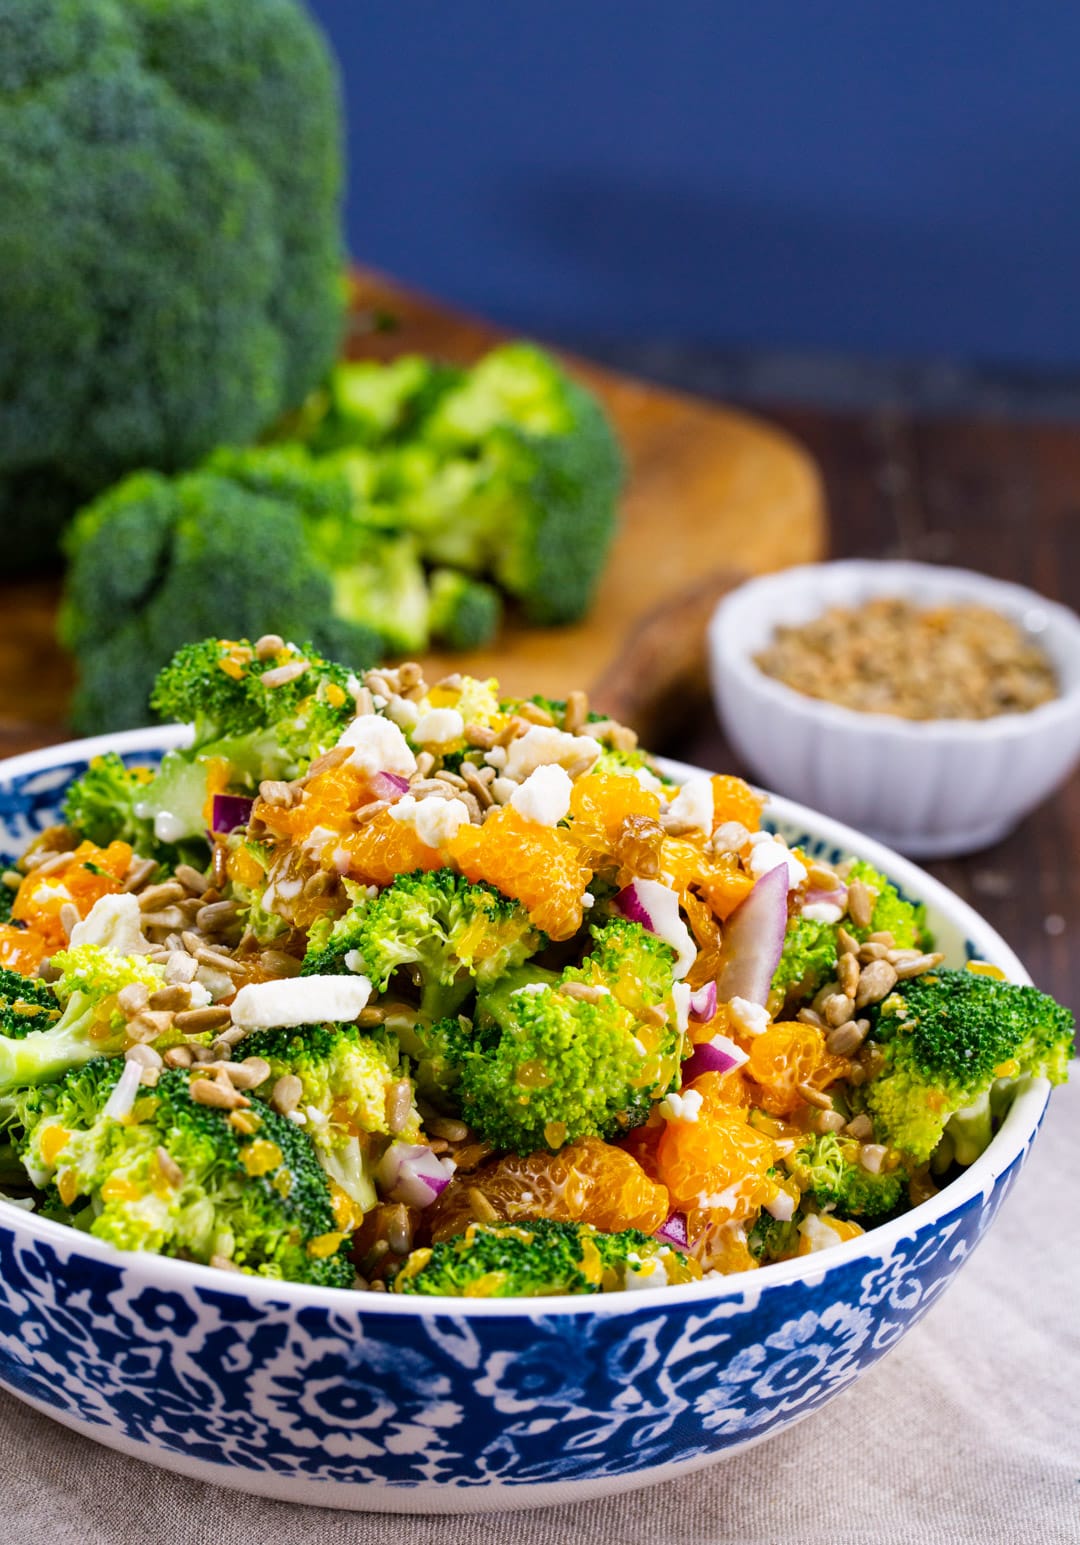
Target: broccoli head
200 551
553 1058
773 1239
348 1081
946 1038
101 804
174 278
177 1177
827 1169
539 1259
808 958
26 1004
465 613
455 933
905 920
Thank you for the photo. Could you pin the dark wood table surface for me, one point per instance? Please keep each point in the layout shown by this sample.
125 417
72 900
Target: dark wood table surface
1002 497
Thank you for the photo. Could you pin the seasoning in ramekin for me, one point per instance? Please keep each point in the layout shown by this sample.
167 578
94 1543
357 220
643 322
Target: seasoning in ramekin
889 656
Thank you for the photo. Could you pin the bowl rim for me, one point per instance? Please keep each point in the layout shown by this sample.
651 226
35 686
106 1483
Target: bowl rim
730 656
1008 1144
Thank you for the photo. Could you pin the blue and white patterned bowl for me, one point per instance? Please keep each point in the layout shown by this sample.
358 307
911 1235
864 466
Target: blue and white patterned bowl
413 1405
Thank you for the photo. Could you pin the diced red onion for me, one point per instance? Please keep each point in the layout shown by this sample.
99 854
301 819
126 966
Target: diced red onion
754 939
656 907
122 1098
388 785
411 1173
833 898
703 1003
229 811
673 1231
719 1055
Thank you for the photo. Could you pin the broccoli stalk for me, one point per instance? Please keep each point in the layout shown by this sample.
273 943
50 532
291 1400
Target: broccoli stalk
945 1039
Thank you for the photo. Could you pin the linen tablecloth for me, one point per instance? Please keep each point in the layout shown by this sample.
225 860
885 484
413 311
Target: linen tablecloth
968 1433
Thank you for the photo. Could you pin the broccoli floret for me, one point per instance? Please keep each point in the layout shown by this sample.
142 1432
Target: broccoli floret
174 1176
26 1004
945 1038
91 1022
101 804
808 958
773 1239
346 1076
553 1058
458 934
7 901
905 920
827 1169
175 277
541 1258
200 551
465 613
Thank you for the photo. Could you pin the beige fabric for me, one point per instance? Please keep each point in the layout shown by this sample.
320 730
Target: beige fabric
967 1434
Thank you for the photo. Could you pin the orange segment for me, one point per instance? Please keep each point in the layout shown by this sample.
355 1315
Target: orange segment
716 1165
21 949
609 811
88 874
588 1181
537 865
789 1054
735 800
383 848
329 800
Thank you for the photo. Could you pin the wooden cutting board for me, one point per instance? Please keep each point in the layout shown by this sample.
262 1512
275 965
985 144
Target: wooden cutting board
713 495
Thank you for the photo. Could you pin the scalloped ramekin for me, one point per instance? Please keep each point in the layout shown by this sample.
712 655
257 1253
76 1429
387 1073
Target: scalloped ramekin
381 1403
933 788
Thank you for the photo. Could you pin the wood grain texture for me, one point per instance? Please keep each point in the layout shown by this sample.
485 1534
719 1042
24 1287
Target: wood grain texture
711 491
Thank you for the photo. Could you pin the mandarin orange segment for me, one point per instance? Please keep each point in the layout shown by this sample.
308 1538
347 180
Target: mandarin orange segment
735 800
601 806
21 949
588 1181
537 865
717 1164
329 800
719 879
383 848
718 1246
786 1055
88 874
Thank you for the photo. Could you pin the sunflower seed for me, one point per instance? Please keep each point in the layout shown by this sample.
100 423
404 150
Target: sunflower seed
281 675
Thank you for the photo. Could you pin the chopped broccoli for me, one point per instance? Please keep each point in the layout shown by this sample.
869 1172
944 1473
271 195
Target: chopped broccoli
541 1258
91 1023
346 1076
456 933
808 958
946 1037
553 1058
828 1171
178 1177
175 278
101 804
773 1239
7 901
26 1004
465 613
905 920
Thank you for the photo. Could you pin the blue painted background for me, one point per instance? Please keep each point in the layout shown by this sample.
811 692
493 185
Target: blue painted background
891 180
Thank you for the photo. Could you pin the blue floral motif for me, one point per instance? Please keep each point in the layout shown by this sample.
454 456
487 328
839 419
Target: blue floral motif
339 1392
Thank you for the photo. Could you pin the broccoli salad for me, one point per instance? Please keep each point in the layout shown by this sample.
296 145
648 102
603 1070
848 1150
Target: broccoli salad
416 988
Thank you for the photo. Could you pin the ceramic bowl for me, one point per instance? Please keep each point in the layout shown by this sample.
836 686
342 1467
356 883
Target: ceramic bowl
375 1402
932 788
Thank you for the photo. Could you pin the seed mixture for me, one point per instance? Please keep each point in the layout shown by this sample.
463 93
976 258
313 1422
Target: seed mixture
412 987
889 656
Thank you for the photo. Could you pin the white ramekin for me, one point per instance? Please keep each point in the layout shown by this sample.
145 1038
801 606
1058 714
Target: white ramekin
932 788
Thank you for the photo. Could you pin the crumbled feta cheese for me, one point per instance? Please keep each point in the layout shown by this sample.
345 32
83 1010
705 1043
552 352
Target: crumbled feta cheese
652 1275
377 745
681 1107
768 853
588 900
543 745
530 990
314 843
662 905
341 859
496 757
782 1207
750 1018
502 789
403 711
692 807
647 779
434 820
819 1233
681 994
438 727
113 923
300 1000
822 912
354 961
544 797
